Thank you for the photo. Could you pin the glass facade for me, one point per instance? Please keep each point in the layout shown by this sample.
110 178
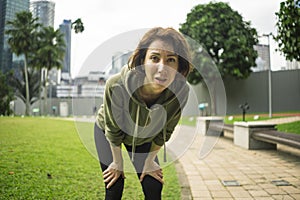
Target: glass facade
44 10
8 10
65 28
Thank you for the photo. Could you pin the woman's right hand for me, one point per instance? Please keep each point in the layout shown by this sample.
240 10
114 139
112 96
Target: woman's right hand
112 173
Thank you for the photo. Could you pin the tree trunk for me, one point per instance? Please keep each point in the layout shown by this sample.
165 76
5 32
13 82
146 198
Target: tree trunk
45 91
40 93
27 110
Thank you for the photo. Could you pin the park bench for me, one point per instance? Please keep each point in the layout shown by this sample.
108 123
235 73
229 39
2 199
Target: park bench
221 128
264 135
276 137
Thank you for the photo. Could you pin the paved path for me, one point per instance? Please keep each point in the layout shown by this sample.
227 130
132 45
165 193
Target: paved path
253 170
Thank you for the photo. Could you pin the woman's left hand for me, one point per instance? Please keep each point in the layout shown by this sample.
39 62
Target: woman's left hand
153 169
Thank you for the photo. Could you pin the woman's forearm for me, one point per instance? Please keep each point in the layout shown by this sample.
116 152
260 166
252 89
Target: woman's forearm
116 154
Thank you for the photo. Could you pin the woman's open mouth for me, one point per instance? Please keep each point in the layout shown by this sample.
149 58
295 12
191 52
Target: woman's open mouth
160 80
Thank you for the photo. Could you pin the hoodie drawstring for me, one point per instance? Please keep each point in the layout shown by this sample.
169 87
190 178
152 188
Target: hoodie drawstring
135 132
165 138
165 147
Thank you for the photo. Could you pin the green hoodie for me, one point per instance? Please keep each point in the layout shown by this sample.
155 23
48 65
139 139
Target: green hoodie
125 118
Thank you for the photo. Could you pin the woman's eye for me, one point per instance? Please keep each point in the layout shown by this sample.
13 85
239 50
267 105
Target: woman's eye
171 60
154 58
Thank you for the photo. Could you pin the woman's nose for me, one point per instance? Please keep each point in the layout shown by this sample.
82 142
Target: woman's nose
161 67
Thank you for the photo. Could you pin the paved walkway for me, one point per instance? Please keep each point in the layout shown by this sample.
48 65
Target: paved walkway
255 171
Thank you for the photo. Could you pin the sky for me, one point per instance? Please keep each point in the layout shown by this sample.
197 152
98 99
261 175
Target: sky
104 19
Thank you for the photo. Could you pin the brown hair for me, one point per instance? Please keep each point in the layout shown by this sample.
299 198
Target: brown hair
169 35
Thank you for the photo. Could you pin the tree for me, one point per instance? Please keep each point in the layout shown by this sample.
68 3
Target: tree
227 41
78 26
288 29
50 51
17 82
22 36
224 36
6 94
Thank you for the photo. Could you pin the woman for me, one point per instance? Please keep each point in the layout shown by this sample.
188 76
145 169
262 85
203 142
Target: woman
142 105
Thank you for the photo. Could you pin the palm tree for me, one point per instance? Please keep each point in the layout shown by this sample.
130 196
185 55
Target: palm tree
17 81
6 93
22 37
78 26
50 52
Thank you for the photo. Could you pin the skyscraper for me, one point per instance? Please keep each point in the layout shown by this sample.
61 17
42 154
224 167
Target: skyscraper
8 10
290 65
65 28
44 10
263 59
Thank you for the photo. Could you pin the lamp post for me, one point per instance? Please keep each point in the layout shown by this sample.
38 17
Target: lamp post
270 75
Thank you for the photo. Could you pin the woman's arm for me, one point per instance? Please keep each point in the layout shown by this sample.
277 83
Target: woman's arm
151 167
115 169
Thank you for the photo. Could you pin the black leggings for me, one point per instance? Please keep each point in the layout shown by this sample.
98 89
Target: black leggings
151 187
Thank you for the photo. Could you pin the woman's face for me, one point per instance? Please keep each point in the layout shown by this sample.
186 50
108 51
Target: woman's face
161 65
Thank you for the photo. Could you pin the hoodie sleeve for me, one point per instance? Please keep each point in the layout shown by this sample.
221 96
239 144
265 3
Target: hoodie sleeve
113 109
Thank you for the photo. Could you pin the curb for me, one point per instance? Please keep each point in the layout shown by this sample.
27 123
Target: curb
183 181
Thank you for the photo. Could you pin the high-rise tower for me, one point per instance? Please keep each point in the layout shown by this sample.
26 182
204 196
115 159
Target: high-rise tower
8 10
44 10
65 28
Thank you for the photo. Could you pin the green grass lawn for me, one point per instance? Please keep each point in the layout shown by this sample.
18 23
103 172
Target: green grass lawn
293 127
42 158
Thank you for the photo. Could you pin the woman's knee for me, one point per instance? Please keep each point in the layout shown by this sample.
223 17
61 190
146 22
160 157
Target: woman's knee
152 188
116 190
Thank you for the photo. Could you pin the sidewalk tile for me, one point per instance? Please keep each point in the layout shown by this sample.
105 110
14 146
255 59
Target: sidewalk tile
240 194
201 193
220 194
282 197
275 191
296 196
290 189
258 193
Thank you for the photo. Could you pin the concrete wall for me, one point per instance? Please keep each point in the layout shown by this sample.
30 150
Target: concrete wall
254 90
75 106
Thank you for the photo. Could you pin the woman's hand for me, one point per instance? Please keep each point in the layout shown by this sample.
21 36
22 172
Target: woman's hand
112 173
153 169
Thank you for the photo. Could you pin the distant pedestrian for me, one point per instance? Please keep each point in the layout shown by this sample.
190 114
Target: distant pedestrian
142 105
94 110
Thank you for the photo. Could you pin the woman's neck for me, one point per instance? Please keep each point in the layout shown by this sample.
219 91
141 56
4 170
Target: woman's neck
148 95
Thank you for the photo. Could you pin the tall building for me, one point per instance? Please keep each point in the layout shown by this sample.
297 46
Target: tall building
119 59
65 28
263 59
44 10
8 10
290 65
